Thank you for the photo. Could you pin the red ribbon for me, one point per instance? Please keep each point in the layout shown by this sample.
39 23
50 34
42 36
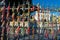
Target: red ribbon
8 7
28 29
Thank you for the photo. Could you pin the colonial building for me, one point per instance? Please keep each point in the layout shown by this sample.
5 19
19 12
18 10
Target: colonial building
45 15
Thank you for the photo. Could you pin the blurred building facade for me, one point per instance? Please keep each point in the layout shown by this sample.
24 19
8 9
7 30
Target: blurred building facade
17 2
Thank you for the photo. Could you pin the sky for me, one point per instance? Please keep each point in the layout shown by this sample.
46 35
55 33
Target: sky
48 3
